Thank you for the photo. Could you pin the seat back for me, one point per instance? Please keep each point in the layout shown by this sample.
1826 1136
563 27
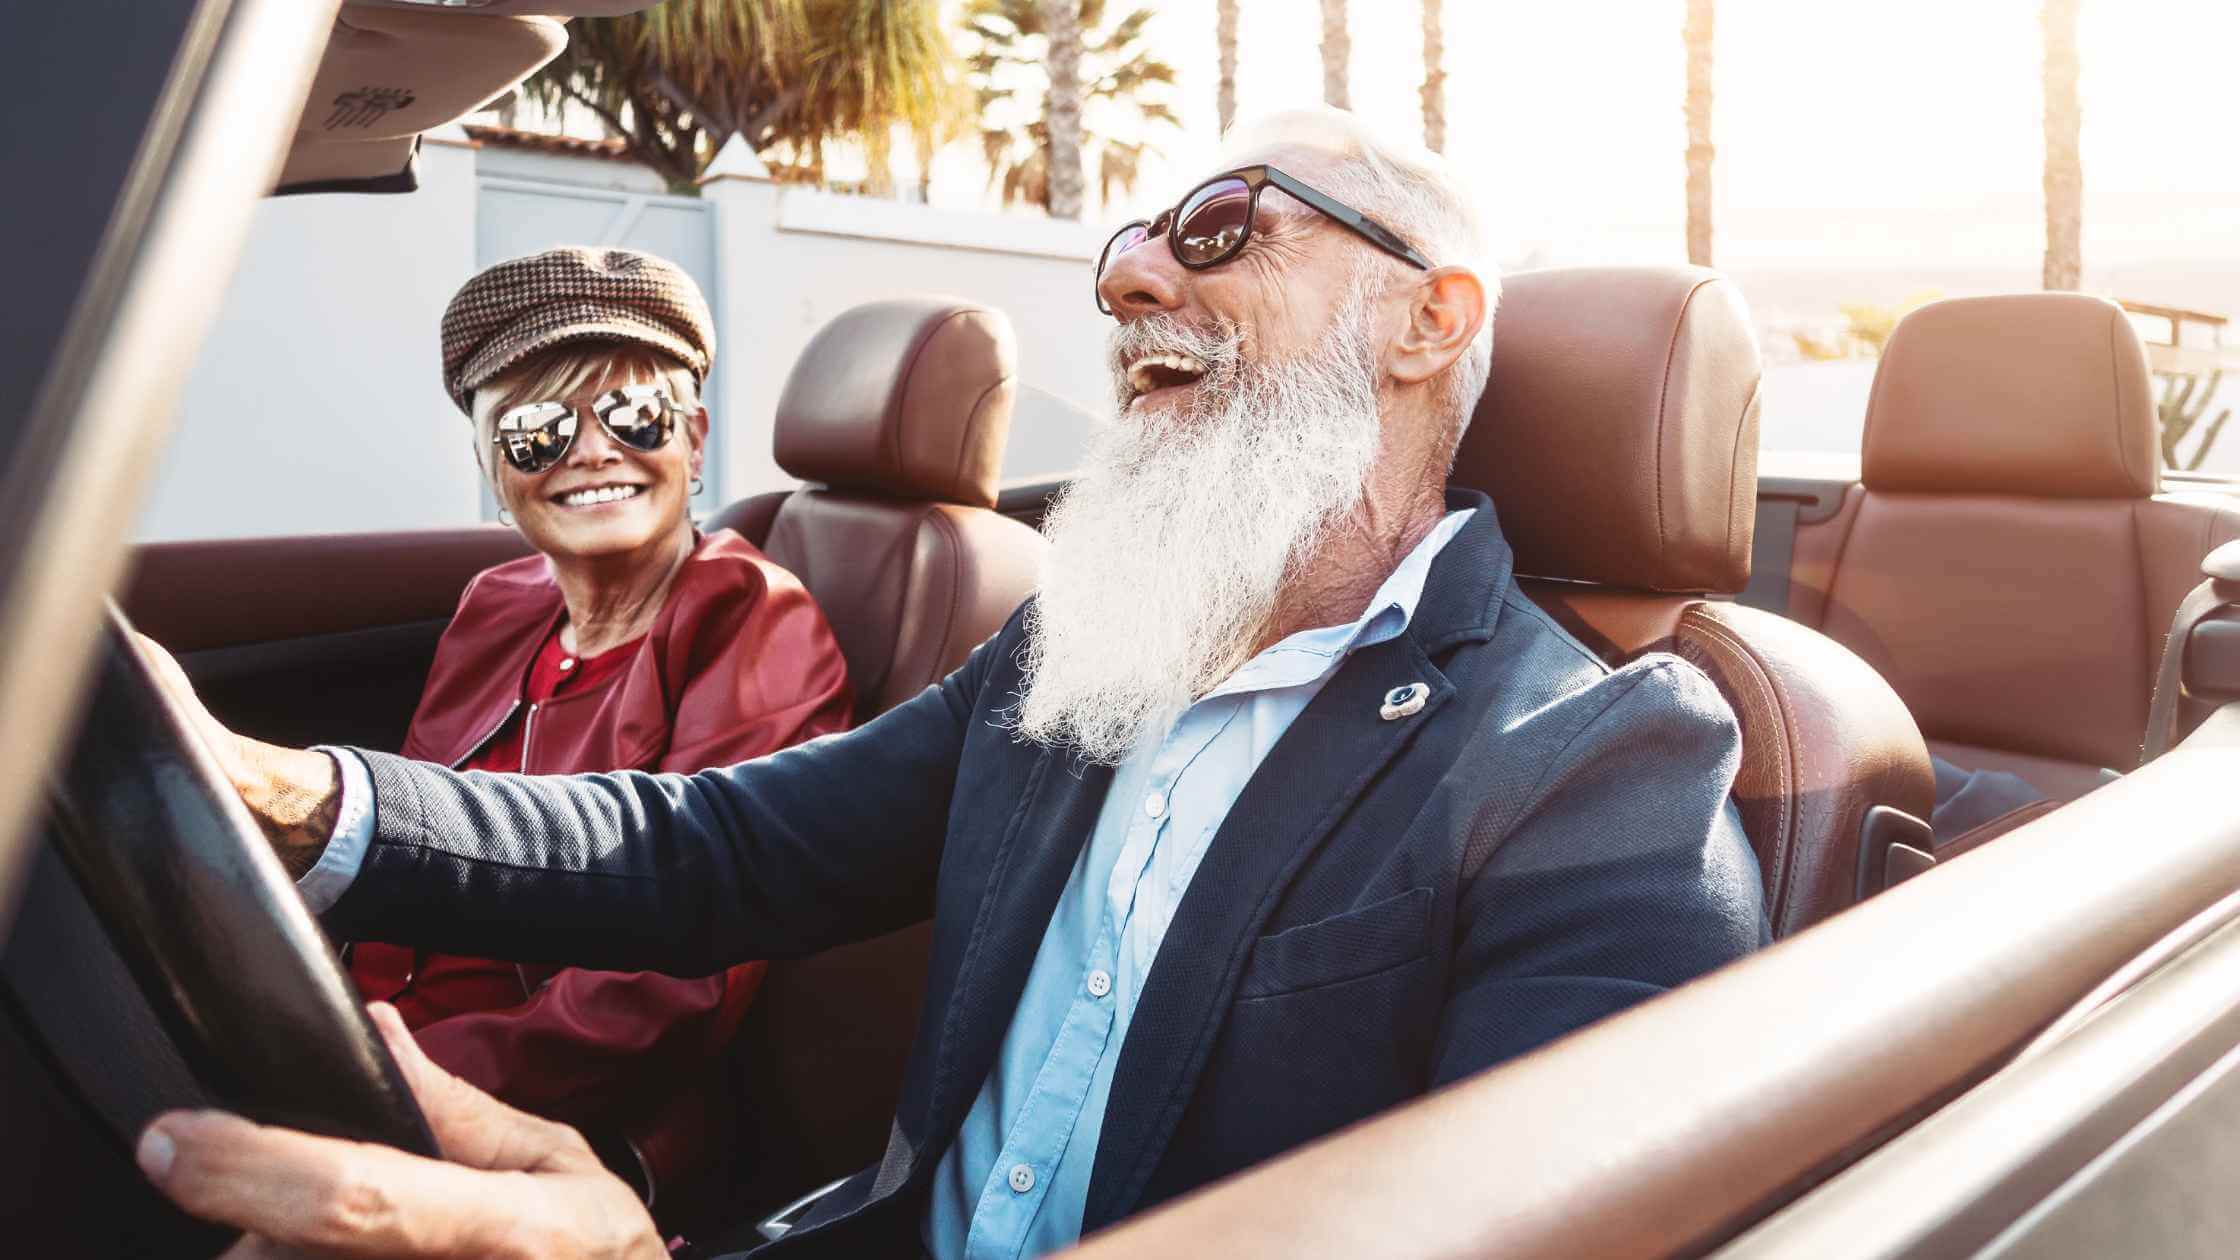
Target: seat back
1618 437
898 412
2009 562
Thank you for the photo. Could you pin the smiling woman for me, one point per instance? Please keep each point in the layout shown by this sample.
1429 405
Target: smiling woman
630 641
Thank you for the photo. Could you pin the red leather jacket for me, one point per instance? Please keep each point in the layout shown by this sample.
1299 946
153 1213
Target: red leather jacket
739 663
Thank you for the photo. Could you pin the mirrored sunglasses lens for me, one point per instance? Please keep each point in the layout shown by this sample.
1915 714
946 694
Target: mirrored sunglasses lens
639 419
1213 222
535 438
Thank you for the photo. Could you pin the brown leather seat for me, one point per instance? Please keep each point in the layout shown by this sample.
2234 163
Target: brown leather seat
2008 561
899 411
1618 438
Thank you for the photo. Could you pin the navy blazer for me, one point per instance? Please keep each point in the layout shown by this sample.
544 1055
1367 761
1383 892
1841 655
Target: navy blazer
1390 905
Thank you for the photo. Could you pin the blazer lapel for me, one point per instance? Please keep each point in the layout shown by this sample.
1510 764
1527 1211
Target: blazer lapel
1026 874
1307 781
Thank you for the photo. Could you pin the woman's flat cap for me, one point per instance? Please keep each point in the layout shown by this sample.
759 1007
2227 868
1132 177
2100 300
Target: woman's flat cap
575 293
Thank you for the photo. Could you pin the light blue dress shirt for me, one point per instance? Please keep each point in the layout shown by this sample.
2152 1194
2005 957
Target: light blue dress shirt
1015 1182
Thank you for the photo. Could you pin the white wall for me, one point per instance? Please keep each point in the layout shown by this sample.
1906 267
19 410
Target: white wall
792 258
317 406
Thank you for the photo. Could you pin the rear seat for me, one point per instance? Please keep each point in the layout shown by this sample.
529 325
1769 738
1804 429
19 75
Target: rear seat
2011 467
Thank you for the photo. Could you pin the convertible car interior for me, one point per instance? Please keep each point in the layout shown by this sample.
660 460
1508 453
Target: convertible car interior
2020 1040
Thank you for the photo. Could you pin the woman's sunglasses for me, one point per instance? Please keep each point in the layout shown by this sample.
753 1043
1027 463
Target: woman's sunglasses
535 437
1213 221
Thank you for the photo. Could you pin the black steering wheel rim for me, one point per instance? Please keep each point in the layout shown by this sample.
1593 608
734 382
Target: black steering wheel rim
209 924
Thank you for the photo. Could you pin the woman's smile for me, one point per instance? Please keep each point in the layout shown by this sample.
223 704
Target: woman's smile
596 496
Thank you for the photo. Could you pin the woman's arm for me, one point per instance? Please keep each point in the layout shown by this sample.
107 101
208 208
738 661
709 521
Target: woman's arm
760 670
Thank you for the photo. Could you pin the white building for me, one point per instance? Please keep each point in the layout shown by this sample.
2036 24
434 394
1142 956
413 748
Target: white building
317 404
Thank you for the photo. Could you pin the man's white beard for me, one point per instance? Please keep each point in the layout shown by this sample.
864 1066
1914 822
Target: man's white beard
1169 552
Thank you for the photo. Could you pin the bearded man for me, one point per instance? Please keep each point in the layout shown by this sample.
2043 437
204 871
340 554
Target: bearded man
1278 805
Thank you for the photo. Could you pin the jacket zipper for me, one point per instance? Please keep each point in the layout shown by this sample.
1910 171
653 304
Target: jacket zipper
528 720
491 734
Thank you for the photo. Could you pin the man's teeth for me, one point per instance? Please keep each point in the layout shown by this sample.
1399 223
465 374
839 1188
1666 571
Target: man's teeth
599 494
1144 375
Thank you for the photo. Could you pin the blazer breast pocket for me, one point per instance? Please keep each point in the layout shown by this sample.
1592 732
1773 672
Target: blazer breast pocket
1379 936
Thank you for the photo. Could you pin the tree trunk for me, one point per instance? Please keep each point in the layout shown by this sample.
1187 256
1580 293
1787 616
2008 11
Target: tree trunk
1062 108
2064 168
1337 53
1225 37
1434 80
1696 35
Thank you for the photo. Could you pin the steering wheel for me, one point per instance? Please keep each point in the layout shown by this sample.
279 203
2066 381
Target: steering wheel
210 928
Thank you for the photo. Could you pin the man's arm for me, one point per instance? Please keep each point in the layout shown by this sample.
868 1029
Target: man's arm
1623 873
828 842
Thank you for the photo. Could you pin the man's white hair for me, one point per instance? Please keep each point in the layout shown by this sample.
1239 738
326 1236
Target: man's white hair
1407 188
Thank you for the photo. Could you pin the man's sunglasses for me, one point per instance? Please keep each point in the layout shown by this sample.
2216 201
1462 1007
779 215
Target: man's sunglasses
534 437
1213 221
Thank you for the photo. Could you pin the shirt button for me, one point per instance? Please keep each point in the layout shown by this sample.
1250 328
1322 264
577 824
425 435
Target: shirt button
1022 1178
1100 982
567 662
1155 805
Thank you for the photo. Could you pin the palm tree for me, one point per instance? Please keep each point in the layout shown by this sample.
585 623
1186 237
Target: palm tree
1062 109
1119 80
1225 37
1337 53
2064 175
1695 34
788 75
1434 80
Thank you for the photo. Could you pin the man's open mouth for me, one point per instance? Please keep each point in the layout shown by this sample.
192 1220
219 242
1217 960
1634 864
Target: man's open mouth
1155 372
590 496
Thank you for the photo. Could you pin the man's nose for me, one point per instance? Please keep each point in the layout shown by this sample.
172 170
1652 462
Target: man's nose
1142 280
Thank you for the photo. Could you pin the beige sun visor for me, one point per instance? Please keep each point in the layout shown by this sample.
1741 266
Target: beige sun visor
562 9
390 73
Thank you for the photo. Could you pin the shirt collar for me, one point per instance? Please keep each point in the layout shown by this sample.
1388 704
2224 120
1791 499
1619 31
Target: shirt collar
1306 655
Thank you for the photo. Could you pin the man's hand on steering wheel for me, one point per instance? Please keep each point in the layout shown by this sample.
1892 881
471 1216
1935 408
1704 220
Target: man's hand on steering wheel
517 1186
293 793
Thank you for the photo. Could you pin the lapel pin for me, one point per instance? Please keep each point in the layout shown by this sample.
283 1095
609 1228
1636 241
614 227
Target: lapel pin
1403 702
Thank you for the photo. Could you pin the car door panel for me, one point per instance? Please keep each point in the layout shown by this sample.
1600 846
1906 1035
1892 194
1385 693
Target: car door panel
315 638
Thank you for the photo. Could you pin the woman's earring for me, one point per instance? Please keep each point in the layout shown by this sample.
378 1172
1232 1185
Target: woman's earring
698 487
505 517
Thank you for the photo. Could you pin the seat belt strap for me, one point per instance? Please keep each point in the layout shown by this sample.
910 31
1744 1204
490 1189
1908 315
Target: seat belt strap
1771 548
2167 716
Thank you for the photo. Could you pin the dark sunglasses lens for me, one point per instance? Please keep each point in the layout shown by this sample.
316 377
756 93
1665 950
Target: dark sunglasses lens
637 418
1212 222
1122 241
531 441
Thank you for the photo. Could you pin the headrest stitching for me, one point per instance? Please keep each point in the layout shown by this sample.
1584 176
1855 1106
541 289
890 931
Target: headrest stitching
1664 401
892 432
2122 430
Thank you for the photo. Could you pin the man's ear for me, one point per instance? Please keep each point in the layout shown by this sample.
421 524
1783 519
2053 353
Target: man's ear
1443 318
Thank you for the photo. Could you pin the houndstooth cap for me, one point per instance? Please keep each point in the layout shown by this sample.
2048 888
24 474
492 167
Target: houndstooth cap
575 293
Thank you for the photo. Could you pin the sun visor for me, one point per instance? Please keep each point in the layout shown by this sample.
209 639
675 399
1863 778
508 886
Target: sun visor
562 9
390 74
518 7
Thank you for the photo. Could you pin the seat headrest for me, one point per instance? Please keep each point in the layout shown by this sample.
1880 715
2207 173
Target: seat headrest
910 398
389 74
1618 434
2043 394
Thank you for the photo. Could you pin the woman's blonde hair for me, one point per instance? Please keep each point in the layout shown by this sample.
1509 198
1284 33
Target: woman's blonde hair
562 371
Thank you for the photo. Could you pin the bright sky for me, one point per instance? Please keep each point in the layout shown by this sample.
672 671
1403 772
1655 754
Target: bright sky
1877 130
